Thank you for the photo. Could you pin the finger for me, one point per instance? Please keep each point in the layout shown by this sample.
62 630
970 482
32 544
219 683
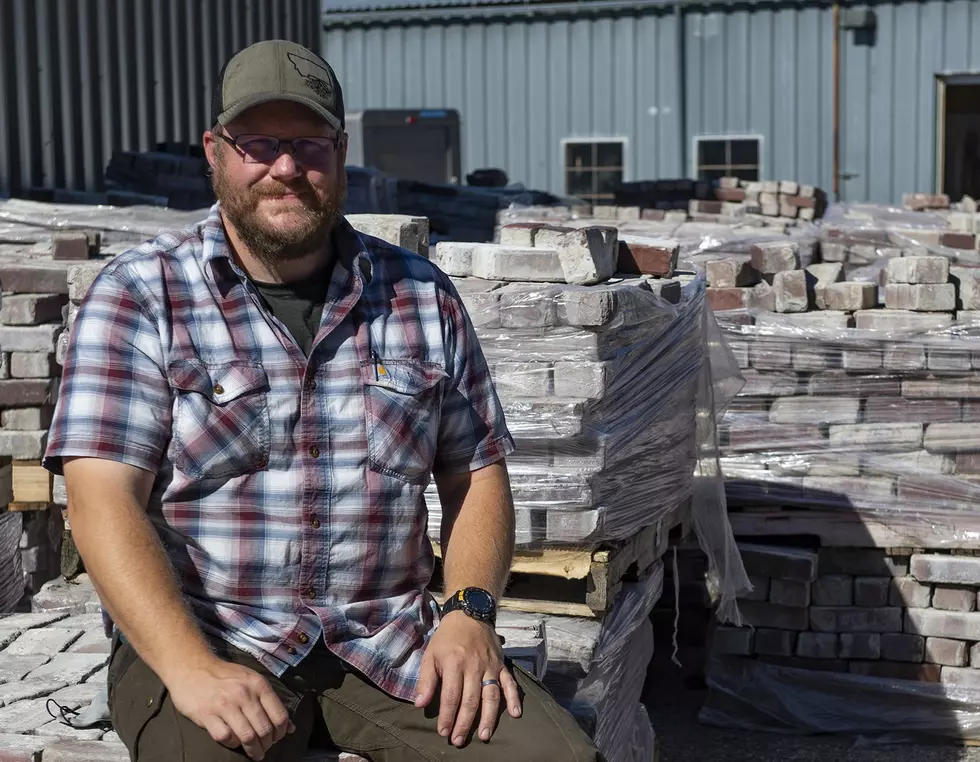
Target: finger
218 729
489 710
452 692
428 679
511 693
244 731
276 712
469 705
265 730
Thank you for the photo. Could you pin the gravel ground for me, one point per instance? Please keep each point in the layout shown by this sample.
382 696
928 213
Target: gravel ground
673 697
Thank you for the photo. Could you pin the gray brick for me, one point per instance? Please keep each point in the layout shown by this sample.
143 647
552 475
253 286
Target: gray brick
861 359
71 668
771 354
87 751
871 592
960 677
947 598
860 645
920 463
35 338
901 410
953 359
785 592
530 379
864 562
454 257
32 365
816 325
592 307
769 384
47 641
775 642
853 619
921 298
952 653
731 273
56 729
952 438
910 593
759 591
29 621
410 233
857 491
943 624
794 290
918 270
903 647
80 279
815 410
975 656
895 322
27 418
882 437
850 296
524 306
854 385
735 641
817 645
892 670
951 570
20 691
903 356
23 445
812 357
24 716
581 379
776 256
21 748
588 255
826 274
513 263
14 668
779 562
833 590
967 281
30 309
771 616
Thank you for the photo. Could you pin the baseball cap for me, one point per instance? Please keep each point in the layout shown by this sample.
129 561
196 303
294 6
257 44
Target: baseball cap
277 70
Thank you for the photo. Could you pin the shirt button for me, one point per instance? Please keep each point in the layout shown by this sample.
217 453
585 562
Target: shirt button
219 389
315 451
310 592
291 650
314 521
311 385
303 638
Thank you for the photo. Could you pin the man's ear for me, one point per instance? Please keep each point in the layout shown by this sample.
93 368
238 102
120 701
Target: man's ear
343 149
210 141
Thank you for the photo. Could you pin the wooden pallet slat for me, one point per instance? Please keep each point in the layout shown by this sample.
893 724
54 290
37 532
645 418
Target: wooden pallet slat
31 482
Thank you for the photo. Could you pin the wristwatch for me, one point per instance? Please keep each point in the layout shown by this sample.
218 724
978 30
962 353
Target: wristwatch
475 602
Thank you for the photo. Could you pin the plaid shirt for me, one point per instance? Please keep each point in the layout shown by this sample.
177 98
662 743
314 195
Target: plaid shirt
289 490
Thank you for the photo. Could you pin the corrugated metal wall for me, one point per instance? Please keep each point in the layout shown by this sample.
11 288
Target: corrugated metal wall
81 78
522 85
750 68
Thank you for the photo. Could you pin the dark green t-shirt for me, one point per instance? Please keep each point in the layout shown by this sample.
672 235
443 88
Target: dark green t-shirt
298 306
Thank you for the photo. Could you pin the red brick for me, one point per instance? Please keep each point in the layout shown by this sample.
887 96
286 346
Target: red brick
27 393
638 258
653 214
958 240
801 202
69 245
722 299
733 195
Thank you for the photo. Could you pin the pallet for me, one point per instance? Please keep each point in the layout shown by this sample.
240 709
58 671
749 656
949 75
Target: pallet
582 582
32 483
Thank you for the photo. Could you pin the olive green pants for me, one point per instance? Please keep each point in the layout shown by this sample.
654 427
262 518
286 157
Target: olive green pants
334 706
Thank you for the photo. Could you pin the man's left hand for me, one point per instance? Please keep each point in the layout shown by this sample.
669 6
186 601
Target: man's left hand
462 654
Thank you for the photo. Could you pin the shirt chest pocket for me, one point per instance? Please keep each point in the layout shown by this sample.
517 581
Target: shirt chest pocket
221 418
403 403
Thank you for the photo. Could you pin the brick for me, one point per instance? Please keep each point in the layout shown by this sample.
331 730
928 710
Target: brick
57 730
71 244
525 306
952 438
734 641
825 273
871 592
779 562
811 357
524 379
861 359
815 410
975 656
918 270
951 388
730 273
723 299
958 241
901 410
947 598
20 691
771 616
785 592
941 359
967 282
928 297
35 338
759 591
32 365
853 619
948 570
771 353
865 562
27 418
850 296
909 593
817 645
92 642
854 385
86 751
23 445
775 642
882 437
30 621
794 290
23 716
80 279
748 436
952 653
960 677
833 252
903 356
408 232
581 379
71 668
48 641
891 321
33 279
30 309
903 647
773 257
21 748
860 645
849 491
514 263
927 673
456 258
943 624
833 590
659 259
587 255
769 384
517 234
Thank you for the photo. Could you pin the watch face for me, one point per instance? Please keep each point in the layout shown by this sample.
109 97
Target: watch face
479 600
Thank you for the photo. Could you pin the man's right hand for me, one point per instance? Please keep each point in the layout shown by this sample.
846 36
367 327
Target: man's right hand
235 704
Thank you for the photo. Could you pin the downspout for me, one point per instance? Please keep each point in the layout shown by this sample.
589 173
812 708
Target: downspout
681 87
836 100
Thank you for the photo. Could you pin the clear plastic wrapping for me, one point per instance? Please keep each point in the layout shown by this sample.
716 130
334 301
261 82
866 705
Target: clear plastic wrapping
12 581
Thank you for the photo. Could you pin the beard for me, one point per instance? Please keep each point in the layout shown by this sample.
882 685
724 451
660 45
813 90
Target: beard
273 243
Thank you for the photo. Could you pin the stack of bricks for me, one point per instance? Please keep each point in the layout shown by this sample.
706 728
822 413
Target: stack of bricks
35 295
785 199
896 614
571 320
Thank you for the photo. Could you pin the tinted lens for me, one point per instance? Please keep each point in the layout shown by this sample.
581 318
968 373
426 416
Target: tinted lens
258 148
313 152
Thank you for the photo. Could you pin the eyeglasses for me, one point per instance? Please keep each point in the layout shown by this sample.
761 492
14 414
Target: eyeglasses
264 149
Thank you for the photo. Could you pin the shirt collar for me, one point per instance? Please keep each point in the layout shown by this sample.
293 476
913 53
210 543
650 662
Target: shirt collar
349 246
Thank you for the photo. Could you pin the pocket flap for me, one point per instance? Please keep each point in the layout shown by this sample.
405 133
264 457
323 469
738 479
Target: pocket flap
405 377
221 382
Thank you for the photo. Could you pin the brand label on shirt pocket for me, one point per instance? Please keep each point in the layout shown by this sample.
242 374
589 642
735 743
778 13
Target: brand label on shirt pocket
221 418
403 403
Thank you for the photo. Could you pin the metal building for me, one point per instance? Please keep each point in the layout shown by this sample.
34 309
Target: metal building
574 96
82 78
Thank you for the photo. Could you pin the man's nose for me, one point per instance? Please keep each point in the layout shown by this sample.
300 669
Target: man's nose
285 166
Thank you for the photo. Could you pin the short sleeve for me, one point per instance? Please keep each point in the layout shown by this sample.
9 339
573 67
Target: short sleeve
472 432
114 402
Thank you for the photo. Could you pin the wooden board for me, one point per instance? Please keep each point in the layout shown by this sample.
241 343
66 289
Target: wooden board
18 507
532 606
32 484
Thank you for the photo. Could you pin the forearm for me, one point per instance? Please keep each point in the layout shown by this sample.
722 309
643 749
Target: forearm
478 537
136 583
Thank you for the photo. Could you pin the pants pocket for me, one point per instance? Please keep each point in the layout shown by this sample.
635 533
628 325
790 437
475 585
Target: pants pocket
136 696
